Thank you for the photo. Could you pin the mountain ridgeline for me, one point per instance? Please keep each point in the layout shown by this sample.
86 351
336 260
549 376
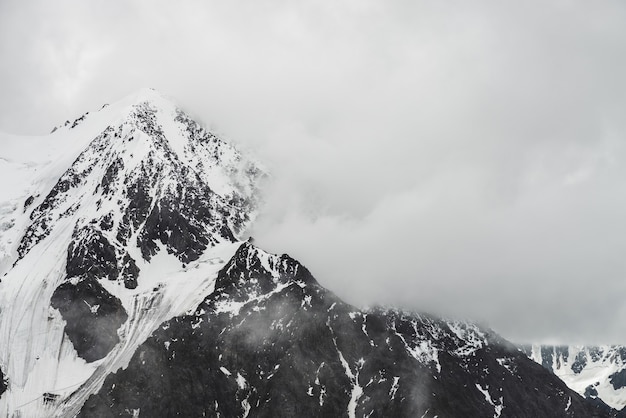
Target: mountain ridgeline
271 342
128 290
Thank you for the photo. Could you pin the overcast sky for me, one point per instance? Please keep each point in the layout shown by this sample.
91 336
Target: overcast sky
465 158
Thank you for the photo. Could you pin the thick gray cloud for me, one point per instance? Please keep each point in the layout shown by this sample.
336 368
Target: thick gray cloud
467 159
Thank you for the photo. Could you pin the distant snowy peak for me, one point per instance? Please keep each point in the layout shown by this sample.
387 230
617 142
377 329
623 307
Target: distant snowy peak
596 372
118 108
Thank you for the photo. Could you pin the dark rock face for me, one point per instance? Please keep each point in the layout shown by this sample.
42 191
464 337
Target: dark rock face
129 272
174 223
29 201
618 379
93 317
90 254
579 363
271 342
3 383
591 392
110 175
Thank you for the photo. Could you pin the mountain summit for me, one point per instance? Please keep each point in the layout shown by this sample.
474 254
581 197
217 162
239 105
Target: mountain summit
145 194
127 290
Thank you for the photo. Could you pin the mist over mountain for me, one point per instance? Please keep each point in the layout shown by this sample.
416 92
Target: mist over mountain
482 141
130 288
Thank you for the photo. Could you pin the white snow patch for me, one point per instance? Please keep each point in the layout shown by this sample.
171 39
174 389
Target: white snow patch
241 381
496 406
357 390
421 348
394 387
470 337
507 363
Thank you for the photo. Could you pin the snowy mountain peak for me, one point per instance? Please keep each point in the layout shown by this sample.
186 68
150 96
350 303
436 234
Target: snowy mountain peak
120 109
153 165
106 213
142 142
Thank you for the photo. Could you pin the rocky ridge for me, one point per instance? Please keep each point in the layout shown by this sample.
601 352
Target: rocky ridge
270 341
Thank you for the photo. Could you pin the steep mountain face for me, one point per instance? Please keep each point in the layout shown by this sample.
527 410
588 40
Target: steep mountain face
97 257
596 372
270 341
127 291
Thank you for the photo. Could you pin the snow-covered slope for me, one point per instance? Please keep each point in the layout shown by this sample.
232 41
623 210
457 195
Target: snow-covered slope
596 372
109 226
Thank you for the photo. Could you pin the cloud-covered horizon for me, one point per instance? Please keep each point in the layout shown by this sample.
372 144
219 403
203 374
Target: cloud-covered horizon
465 159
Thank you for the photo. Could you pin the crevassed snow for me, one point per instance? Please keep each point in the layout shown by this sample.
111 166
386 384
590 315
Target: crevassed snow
176 295
46 361
32 343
